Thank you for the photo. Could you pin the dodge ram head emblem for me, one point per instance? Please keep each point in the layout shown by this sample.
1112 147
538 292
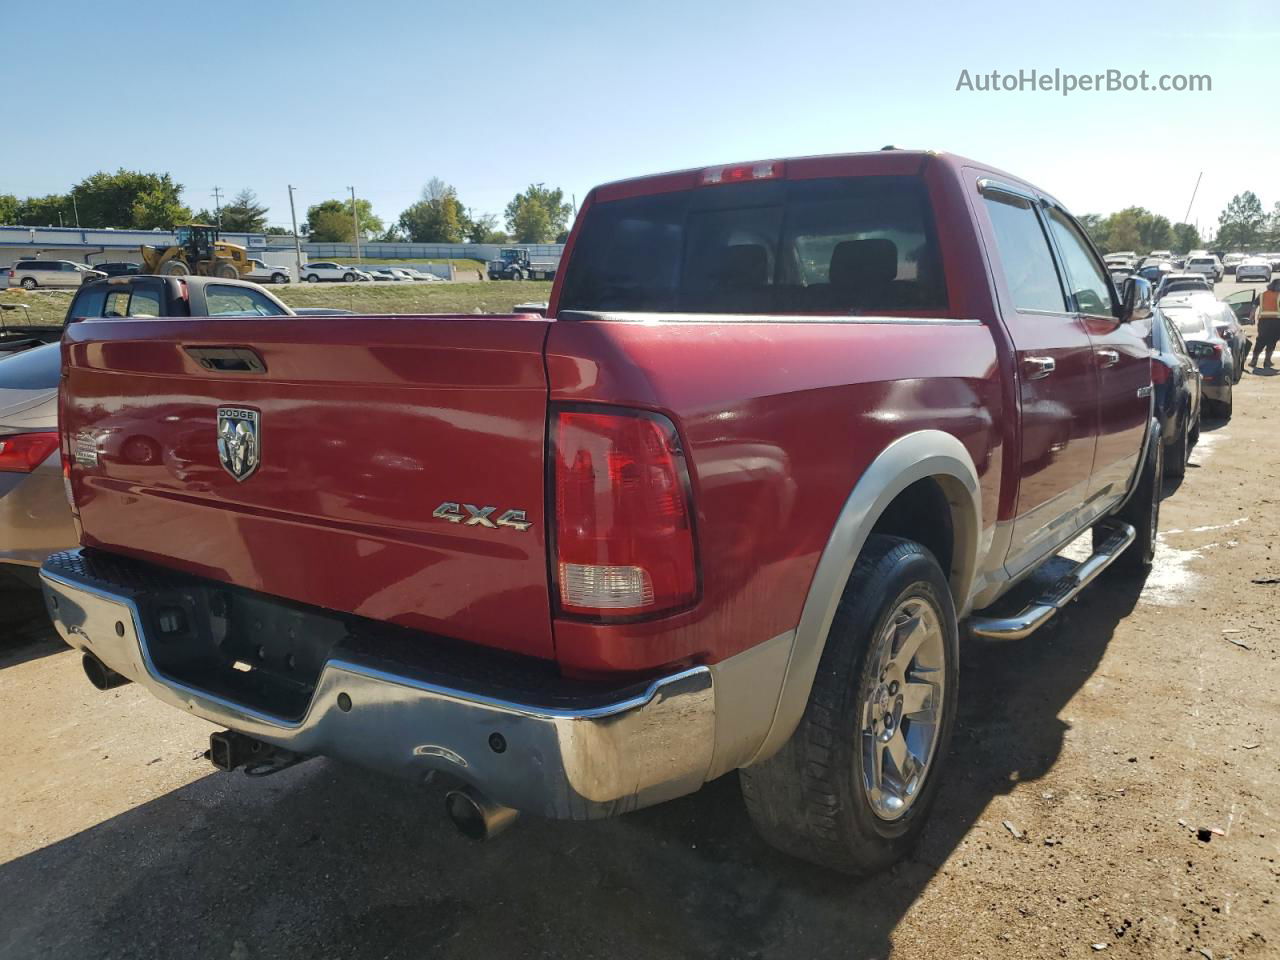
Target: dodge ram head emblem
239 440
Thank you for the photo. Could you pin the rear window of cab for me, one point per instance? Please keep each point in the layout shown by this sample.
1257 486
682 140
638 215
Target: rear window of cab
847 245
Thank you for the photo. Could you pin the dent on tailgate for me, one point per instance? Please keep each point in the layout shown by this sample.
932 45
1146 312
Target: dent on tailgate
367 427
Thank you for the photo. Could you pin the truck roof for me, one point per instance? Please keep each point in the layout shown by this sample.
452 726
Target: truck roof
889 161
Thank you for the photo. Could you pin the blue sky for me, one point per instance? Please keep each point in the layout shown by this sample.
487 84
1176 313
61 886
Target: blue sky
492 97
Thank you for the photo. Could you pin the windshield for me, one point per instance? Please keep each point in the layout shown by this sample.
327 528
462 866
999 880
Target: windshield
849 245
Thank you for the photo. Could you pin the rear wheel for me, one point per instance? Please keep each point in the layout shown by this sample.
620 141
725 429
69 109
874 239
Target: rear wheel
312 278
1142 512
279 278
853 786
28 283
225 270
1222 408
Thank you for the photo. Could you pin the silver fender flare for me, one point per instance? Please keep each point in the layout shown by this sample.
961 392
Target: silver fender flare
916 456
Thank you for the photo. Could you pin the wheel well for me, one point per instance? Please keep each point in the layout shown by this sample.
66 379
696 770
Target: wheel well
922 513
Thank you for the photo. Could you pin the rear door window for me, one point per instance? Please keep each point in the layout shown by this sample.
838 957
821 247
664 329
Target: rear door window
223 300
855 245
89 301
1028 264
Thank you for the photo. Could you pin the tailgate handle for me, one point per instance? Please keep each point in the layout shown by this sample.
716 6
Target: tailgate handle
227 359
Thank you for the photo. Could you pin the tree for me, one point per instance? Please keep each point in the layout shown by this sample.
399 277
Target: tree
1186 238
483 228
45 211
538 214
278 232
1155 231
8 208
438 217
108 199
330 221
157 208
1242 222
244 214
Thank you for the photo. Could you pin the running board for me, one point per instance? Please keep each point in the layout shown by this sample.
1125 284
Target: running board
1034 616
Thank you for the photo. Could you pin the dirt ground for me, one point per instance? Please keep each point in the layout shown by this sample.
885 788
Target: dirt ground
1114 785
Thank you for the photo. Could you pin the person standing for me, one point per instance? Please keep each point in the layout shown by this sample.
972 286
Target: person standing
1268 321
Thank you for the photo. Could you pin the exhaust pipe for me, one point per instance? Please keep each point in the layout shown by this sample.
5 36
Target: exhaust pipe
476 816
100 675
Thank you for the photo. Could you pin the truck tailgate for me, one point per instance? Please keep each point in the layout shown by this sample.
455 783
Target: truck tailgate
367 430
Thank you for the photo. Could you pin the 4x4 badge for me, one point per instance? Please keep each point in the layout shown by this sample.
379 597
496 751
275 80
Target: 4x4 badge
239 440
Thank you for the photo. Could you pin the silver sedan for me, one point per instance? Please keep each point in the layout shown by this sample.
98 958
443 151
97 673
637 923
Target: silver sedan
1253 268
35 519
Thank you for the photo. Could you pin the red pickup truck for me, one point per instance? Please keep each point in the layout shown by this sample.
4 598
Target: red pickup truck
786 428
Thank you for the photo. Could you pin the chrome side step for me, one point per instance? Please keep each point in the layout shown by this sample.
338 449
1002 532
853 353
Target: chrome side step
1035 615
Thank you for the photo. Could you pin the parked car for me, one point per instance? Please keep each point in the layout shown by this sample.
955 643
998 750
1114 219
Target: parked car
1175 377
381 274
364 276
263 273
1273 260
1208 265
1155 271
400 273
1183 283
30 274
1253 268
147 295
741 532
118 268
327 270
416 274
1231 261
1225 323
1209 349
35 519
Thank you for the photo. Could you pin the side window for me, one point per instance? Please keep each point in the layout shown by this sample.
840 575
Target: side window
1175 337
1090 291
117 304
89 301
145 302
1029 270
225 301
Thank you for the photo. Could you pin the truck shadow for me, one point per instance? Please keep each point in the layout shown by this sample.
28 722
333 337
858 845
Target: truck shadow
324 860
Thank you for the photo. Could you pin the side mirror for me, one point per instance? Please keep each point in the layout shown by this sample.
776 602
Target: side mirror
1136 301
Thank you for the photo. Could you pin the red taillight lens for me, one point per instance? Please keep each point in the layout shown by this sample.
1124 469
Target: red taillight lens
23 452
624 530
1159 372
743 172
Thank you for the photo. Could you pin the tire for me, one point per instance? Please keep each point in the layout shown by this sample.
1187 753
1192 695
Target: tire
1223 407
279 278
175 268
348 278
29 283
813 799
1179 452
225 270
1142 512
517 275
1195 432
312 278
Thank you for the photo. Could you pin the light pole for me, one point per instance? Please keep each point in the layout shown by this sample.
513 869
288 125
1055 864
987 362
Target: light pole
217 205
297 244
355 218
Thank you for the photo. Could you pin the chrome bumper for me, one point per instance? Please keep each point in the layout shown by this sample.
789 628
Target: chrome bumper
649 744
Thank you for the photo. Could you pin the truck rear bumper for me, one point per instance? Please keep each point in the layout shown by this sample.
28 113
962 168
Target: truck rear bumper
580 757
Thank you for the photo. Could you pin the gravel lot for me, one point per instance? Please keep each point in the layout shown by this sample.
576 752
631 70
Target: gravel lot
1114 784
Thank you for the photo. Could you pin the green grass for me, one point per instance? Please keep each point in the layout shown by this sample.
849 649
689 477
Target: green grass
50 306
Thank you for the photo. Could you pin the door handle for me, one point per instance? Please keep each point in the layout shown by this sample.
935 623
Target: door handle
1109 357
1039 367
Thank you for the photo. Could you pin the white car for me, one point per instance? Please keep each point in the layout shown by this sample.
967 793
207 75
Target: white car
1231 261
266 273
328 270
416 274
1209 265
1253 268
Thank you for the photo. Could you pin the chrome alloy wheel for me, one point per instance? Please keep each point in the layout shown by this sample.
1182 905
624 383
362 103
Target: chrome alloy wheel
901 707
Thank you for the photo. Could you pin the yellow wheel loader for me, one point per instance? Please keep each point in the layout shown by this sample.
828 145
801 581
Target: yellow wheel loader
197 251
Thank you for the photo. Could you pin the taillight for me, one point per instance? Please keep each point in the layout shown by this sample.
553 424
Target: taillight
23 452
743 172
624 527
1159 372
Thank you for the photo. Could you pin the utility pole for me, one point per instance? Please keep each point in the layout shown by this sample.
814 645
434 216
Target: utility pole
74 207
217 205
355 217
1193 197
297 244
